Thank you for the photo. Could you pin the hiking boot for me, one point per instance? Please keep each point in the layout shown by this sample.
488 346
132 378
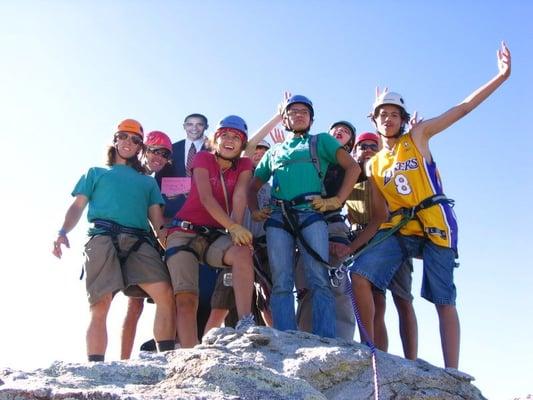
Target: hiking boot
245 322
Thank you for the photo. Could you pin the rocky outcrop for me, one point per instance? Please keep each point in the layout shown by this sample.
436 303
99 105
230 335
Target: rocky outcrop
261 363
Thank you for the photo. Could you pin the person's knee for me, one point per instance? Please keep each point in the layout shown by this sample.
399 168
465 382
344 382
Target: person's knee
446 310
403 306
360 283
380 303
135 307
186 302
239 257
100 309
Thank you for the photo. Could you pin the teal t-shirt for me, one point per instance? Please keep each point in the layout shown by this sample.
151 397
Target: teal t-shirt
290 165
119 194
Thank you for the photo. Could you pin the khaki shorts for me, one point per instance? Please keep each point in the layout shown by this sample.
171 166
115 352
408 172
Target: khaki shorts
183 266
223 296
104 274
338 232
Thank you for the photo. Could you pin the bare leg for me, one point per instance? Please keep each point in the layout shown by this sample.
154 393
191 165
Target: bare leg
187 305
165 312
216 319
408 327
450 334
362 290
381 338
129 326
240 260
97 330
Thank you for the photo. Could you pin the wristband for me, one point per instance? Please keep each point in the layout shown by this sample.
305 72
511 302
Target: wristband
62 232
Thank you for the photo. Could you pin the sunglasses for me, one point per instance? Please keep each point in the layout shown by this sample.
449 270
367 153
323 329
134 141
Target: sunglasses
364 146
135 139
160 152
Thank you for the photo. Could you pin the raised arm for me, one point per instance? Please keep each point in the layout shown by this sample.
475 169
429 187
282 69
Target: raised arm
261 134
72 218
254 140
426 129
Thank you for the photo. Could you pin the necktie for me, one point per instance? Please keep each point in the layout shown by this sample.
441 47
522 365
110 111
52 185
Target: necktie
190 157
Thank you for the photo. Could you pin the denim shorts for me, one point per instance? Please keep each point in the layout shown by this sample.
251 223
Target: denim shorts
400 285
379 264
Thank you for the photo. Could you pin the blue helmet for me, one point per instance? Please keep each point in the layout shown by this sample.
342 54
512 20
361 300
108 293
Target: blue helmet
234 122
349 125
350 143
298 98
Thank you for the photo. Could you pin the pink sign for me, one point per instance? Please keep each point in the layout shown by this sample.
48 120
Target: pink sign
175 186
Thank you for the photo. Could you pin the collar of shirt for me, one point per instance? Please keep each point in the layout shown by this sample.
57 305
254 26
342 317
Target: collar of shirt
197 143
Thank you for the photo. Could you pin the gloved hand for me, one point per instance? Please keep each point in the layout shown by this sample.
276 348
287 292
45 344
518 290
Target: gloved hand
262 214
240 235
323 205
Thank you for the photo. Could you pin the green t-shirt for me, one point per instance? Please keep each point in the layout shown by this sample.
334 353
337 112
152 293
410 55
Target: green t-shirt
290 165
119 194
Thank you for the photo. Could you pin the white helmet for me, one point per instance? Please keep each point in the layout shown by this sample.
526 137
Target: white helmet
393 98
263 143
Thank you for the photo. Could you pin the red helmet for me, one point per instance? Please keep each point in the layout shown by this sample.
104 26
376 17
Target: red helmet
158 139
131 126
367 136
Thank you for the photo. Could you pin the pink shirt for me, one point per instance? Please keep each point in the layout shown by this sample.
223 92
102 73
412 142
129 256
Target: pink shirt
193 210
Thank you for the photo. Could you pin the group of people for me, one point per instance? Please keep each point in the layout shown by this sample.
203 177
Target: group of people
204 228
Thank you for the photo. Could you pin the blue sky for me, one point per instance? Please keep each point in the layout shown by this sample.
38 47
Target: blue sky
70 71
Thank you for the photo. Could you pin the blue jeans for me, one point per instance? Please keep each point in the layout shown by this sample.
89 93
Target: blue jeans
379 264
281 248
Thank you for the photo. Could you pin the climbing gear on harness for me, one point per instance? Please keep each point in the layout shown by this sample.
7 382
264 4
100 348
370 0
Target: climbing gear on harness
290 224
113 229
210 234
407 215
295 229
298 200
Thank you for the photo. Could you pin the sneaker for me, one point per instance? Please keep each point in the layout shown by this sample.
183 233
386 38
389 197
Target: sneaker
245 322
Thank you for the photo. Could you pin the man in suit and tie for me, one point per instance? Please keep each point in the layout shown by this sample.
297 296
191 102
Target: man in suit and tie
174 179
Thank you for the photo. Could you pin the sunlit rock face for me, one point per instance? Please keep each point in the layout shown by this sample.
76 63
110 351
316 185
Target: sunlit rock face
261 363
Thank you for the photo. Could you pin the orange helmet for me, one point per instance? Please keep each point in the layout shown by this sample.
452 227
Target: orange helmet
131 126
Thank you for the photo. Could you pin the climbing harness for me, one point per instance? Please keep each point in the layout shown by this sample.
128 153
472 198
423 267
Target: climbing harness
113 229
210 234
407 214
